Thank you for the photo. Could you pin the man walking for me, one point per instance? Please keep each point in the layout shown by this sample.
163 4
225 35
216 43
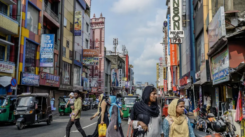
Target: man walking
75 116
187 102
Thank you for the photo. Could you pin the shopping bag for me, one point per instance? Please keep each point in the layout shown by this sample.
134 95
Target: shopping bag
102 130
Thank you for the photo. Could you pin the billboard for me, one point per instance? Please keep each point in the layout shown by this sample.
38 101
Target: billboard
220 67
47 79
173 55
114 78
176 30
90 61
216 28
7 67
47 50
91 52
78 23
29 79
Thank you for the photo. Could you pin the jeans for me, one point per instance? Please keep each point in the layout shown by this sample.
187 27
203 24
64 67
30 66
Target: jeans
77 124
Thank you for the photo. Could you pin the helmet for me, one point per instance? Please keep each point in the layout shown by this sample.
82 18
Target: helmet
219 126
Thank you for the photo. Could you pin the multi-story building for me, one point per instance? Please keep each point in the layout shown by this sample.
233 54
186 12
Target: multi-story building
97 43
9 40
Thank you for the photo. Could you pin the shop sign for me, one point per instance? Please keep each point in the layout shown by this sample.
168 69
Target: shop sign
216 28
47 79
47 50
176 19
90 52
205 72
94 82
94 90
29 79
220 67
114 78
65 87
198 75
6 67
183 81
78 23
173 55
165 86
91 61
120 77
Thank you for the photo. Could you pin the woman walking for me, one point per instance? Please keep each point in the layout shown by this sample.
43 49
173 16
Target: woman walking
102 113
114 128
146 115
176 124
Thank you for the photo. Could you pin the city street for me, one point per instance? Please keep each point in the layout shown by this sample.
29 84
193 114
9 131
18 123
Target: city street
56 129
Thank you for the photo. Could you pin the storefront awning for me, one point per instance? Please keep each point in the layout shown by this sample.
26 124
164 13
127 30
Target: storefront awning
5 42
5 81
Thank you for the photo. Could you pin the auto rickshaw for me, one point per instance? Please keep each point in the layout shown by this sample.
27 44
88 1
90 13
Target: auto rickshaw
7 107
33 108
62 106
128 103
165 102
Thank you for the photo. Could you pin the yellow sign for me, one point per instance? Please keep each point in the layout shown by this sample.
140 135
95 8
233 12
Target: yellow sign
78 23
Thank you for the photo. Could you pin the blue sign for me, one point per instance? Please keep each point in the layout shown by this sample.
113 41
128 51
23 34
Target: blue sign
29 79
221 76
165 23
13 82
47 50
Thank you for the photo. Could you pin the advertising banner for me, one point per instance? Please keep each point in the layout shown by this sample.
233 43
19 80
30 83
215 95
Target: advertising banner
6 67
216 28
173 55
47 79
176 19
90 61
220 67
91 52
114 78
94 82
78 23
29 79
120 76
94 90
47 50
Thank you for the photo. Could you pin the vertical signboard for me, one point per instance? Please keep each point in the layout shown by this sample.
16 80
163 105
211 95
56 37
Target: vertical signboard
173 55
120 76
176 19
78 23
47 50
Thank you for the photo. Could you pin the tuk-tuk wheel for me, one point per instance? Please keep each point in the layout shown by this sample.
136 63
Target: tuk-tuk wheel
20 126
49 121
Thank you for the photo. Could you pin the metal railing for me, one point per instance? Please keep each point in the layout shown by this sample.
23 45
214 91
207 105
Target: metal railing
10 16
51 13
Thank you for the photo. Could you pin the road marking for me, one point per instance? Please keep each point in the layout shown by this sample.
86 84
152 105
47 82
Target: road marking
84 127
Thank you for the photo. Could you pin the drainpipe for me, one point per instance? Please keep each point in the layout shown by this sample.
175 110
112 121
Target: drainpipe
18 57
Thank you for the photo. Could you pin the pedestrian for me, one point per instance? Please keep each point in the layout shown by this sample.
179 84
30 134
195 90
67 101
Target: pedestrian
71 100
102 113
176 124
114 128
75 116
208 103
187 103
146 116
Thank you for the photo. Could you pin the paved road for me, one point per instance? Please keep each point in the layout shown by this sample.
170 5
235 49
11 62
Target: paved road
56 129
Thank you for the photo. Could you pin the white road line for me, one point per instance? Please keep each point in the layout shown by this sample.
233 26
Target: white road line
84 127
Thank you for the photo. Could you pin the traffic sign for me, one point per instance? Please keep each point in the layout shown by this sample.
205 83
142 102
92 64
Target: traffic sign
13 82
165 24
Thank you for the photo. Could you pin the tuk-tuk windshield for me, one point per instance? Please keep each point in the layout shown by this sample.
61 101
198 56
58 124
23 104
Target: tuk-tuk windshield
3 102
25 101
129 101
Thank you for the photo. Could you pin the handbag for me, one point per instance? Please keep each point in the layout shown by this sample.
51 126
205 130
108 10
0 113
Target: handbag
130 129
102 130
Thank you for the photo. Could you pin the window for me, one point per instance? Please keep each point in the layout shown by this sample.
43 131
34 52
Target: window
65 22
86 44
32 19
67 44
71 27
66 73
3 8
87 27
64 51
70 54
30 57
2 53
76 77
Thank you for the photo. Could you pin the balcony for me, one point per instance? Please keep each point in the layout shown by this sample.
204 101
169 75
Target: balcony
50 16
8 25
9 2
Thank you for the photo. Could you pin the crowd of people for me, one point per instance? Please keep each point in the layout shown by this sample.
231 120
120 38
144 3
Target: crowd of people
145 118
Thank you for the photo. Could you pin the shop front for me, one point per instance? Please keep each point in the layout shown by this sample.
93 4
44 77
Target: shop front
29 82
6 75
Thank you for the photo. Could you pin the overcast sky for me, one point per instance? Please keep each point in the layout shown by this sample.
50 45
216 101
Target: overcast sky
138 25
